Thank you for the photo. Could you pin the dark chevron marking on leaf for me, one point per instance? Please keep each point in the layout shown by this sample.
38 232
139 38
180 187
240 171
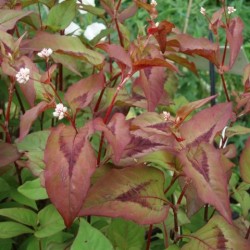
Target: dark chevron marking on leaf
164 126
203 138
201 165
139 144
221 243
71 154
134 195
81 100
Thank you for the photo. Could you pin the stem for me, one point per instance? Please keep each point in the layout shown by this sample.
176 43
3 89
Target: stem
149 236
18 171
119 32
165 235
55 91
224 54
175 221
225 87
60 77
99 100
183 192
174 178
100 150
248 233
187 16
206 213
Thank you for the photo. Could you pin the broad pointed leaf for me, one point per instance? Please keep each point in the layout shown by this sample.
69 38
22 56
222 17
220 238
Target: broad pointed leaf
245 162
152 82
217 234
29 117
63 45
234 38
133 193
204 165
9 229
80 94
184 111
70 162
8 153
206 124
89 237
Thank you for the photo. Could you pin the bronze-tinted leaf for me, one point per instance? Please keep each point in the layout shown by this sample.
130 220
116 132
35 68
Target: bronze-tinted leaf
8 153
245 162
133 193
217 234
70 162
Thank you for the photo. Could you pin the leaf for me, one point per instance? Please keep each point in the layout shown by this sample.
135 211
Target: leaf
50 222
234 38
125 235
156 62
116 52
89 238
22 215
66 45
184 111
21 199
29 117
67 10
116 132
33 190
204 125
70 162
152 82
237 130
245 162
204 165
8 153
6 39
8 18
217 234
11 229
80 94
196 46
132 193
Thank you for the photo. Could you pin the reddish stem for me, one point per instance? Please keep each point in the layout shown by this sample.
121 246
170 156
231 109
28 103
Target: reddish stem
174 178
149 236
183 192
248 233
225 87
165 235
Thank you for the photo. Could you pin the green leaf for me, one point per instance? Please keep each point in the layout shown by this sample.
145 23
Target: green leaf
89 238
4 189
93 10
50 221
21 199
61 15
22 215
33 190
217 234
245 162
237 130
34 141
11 229
126 235
5 244
173 247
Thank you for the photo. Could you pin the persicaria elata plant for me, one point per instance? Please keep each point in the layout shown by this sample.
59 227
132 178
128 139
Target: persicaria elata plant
97 148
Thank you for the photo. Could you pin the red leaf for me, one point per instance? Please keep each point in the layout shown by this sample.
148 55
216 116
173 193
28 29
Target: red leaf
152 82
197 46
116 132
203 126
184 111
133 193
70 162
127 13
205 166
8 154
116 52
234 38
80 94
29 117
216 20
157 62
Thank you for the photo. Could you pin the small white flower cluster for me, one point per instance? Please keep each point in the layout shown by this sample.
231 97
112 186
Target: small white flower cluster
153 3
203 11
45 53
230 10
60 111
23 75
166 115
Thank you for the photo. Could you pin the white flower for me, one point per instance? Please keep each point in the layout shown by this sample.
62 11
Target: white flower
203 11
45 53
93 30
85 2
60 111
153 3
230 10
73 29
166 115
23 75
